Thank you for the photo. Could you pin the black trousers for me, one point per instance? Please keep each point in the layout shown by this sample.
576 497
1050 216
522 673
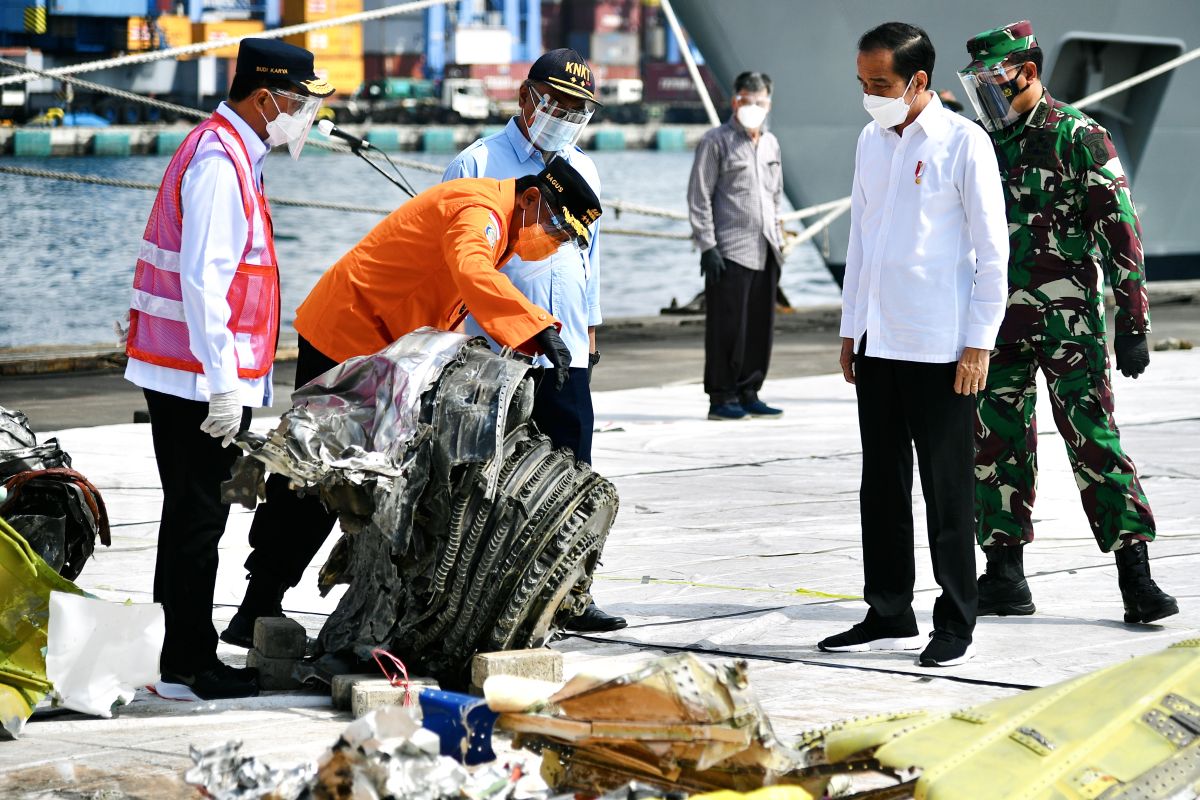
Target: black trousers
566 415
191 467
739 327
902 405
289 529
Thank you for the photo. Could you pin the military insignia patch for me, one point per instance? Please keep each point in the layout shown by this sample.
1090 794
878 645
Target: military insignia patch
1097 146
1038 150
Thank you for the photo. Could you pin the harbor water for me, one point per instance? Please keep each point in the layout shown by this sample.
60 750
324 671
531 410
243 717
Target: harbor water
69 248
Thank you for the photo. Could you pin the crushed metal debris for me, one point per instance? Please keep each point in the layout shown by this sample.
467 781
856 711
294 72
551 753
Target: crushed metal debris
464 529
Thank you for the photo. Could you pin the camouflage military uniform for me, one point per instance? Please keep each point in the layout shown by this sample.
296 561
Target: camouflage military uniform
1069 213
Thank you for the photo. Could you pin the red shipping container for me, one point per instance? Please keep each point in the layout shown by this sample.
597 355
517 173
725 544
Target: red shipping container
606 16
671 83
397 65
613 72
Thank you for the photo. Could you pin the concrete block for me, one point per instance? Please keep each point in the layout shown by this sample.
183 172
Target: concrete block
609 139
167 142
438 140
372 693
669 140
111 143
279 637
273 673
387 139
542 664
31 144
342 685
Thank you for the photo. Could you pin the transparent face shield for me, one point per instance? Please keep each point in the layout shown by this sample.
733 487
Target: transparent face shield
555 127
546 234
297 113
991 91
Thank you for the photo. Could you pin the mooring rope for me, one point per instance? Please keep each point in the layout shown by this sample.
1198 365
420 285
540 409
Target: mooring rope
76 177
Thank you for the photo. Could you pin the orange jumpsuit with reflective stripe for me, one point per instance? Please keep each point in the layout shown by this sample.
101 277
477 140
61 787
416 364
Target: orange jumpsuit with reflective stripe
428 263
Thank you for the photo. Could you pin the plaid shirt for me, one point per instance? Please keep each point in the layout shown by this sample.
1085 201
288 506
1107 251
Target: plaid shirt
734 194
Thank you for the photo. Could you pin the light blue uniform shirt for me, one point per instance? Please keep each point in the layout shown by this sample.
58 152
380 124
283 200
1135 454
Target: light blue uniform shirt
566 285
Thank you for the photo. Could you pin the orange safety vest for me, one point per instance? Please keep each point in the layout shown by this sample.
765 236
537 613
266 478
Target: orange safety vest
158 330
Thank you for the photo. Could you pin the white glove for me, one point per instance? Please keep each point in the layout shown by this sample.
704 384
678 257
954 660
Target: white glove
224 417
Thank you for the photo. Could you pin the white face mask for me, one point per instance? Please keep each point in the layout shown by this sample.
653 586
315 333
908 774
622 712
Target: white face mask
290 129
751 116
888 111
552 129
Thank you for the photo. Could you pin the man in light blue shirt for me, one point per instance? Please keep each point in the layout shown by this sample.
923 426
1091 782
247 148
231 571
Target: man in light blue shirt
556 100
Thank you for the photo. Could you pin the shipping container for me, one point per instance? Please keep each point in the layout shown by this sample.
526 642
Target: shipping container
345 73
613 72
342 41
225 29
670 83
95 8
406 65
614 48
173 30
500 81
404 33
297 11
137 36
482 46
605 16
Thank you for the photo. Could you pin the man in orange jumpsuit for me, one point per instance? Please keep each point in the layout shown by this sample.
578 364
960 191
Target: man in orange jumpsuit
432 261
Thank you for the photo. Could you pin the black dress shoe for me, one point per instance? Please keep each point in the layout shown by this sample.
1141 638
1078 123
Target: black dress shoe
593 620
216 682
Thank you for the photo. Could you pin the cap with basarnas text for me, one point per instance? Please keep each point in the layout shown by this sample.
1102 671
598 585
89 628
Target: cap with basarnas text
566 71
570 197
275 59
991 47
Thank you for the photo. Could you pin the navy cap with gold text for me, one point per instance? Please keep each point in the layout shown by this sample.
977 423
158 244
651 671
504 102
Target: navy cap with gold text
565 70
275 59
570 197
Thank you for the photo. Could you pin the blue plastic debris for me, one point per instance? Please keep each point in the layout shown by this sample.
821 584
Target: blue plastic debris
462 722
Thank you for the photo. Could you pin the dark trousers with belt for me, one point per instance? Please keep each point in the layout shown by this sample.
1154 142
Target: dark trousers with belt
289 529
902 405
739 326
565 415
191 467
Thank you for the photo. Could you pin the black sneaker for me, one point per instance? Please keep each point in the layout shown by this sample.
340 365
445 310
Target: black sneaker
864 636
217 682
946 650
757 408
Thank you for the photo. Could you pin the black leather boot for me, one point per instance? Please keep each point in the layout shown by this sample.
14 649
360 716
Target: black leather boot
1002 588
264 598
1144 601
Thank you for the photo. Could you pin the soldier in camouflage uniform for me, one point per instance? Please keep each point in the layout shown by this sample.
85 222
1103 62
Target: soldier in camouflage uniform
1071 218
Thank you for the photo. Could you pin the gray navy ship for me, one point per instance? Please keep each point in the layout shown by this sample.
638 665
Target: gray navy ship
809 47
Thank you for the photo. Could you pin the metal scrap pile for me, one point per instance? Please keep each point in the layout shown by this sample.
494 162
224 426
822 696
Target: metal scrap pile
464 529
1128 731
52 506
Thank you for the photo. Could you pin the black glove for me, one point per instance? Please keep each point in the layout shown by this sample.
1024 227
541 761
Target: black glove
593 360
1132 354
712 266
554 349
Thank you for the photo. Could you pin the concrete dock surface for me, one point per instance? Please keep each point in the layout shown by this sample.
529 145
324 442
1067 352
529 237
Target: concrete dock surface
734 539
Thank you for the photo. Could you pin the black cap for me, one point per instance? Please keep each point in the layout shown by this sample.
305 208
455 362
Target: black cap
570 197
272 58
566 71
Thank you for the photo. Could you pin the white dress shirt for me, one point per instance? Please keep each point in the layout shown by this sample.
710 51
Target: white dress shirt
214 237
927 263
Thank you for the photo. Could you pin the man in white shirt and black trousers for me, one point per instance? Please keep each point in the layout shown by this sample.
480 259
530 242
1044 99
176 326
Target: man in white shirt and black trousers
922 302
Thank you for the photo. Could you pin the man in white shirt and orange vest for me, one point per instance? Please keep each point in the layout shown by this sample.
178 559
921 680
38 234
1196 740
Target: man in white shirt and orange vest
922 302
203 326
